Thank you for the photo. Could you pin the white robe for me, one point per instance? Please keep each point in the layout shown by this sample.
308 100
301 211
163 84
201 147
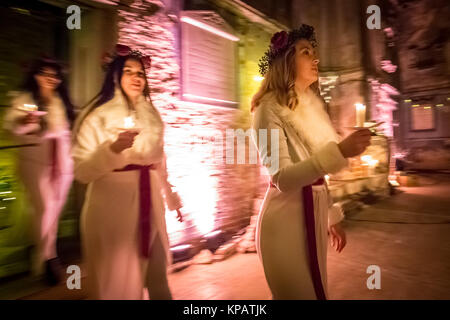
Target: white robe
47 197
110 216
303 158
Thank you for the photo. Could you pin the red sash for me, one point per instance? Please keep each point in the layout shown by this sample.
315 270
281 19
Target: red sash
145 205
55 174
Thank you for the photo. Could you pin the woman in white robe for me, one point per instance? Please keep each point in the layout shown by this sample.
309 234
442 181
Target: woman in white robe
45 166
111 222
301 148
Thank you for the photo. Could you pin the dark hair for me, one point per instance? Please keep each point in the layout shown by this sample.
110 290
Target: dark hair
114 76
30 85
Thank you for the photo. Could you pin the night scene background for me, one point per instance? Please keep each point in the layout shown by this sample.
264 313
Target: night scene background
204 73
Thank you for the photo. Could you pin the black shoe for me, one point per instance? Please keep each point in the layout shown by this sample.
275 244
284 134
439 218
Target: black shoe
53 271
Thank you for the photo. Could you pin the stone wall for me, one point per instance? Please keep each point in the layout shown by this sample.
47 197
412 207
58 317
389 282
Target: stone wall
216 195
421 41
151 32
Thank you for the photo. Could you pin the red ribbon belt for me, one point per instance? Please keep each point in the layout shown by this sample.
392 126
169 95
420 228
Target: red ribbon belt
308 205
145 205
54 158
55 174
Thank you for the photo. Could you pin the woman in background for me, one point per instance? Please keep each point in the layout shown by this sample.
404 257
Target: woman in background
119 153
41 116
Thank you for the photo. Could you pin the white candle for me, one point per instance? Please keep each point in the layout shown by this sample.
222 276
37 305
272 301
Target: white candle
360 114
128 123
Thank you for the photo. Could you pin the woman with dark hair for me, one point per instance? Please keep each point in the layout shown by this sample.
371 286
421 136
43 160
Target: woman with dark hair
119 153
302 146
41 117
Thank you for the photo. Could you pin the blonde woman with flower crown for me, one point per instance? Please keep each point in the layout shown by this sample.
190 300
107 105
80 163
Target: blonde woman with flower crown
298 215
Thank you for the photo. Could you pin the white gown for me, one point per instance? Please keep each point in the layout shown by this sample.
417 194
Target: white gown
109 222
281 232
47 193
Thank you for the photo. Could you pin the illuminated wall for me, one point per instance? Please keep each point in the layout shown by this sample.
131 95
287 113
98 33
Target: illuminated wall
216 195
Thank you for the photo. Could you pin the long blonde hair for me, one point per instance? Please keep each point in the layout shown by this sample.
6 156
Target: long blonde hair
280 80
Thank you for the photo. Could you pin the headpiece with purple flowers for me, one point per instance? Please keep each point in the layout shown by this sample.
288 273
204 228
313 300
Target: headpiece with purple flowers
282 41
123 50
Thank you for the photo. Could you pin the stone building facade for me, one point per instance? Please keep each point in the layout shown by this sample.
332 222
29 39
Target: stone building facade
399 71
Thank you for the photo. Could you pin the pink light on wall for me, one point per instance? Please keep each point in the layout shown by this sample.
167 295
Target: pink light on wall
209 28
191 130
215 195
384 105
193 96
388 66
192 180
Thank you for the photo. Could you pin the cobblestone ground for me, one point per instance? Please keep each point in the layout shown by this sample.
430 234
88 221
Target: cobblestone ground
407 236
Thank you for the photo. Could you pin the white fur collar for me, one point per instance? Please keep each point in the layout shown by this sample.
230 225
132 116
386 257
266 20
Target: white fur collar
310 121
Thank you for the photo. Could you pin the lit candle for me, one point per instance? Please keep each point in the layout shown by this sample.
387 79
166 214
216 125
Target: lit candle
360 114
128 123
30 107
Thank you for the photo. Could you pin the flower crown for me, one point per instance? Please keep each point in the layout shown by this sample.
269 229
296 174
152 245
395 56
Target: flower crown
282 41
123 50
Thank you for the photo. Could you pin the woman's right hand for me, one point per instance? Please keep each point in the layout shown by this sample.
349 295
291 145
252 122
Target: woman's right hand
355 143
30 118
124 141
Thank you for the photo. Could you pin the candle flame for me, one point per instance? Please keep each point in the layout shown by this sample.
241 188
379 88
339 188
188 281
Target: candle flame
128 122
30 107
360 106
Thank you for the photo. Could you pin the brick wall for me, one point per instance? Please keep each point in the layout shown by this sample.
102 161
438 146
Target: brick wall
216 195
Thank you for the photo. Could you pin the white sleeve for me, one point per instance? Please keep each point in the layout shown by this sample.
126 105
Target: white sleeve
173 200
92 158
335 211
286 175
12 122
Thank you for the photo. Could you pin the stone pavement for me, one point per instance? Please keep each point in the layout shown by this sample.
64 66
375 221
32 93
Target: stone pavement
406 235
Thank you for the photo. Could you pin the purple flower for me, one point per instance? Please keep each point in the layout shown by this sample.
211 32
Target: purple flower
279 40
146 61
122 50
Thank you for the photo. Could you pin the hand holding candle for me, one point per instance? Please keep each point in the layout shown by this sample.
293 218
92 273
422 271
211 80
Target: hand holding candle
30 116
355 143
129 125
127 135
32 113
124 141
